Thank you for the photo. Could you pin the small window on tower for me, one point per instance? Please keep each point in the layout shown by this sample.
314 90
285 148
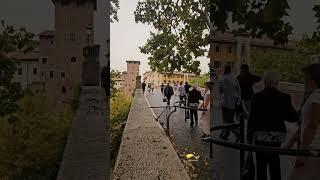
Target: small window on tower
20 71
35 71
73 59
63 90
44 60
72 36
51 42
217 49
51 74
63 74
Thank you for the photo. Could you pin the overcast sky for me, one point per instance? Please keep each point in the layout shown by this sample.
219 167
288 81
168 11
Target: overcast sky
126 36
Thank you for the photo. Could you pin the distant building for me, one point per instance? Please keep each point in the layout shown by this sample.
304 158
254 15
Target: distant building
119 83
158 78
127 80
56 65
130 77
227 49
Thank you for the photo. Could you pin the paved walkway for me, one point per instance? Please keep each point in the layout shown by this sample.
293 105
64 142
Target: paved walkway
185 138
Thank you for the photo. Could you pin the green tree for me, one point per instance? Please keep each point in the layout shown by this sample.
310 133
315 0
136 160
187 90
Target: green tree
11 40
181 27
113 74
114 8
181 33
288 63
199 80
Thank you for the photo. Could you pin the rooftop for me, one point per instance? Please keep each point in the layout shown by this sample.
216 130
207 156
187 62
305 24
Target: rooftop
79 2
229 37
49 33
29 56
135 62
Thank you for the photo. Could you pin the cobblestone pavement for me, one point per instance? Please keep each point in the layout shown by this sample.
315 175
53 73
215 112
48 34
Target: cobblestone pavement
186 139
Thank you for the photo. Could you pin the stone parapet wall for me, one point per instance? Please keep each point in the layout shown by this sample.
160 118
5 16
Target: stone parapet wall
145 150
86 155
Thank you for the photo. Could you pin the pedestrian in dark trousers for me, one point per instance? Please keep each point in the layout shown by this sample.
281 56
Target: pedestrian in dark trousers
168 92
187 89
266 126
182 94
162 88
230 99
194 100
246 81
143 86
105 79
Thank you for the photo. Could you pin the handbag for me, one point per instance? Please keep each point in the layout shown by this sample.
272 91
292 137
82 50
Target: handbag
164 99
248 170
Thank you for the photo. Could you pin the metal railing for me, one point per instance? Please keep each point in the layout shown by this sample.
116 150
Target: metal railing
255 148
175 110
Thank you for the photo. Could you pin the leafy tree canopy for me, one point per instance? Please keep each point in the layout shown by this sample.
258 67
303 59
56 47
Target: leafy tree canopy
289 63
113 74
182 27
11 40
114 8
181 33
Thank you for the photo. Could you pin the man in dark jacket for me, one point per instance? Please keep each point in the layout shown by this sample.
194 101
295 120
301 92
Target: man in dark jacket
143 86
187 87
266 127
168 92
193 100
246 81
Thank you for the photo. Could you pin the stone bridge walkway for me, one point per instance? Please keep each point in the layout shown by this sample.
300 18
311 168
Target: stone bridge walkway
186 139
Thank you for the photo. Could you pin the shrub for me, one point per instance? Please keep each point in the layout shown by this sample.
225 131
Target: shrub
32 142
120 107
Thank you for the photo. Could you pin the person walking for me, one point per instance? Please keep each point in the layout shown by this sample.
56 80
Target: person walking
246 81
152 87
143 86
230 99
182 94
168 92
149 87
205 118
105 79
162 88
307 168
266 125
187 89
193 100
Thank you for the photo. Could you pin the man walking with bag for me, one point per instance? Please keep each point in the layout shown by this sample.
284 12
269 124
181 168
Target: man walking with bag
168 92
193 100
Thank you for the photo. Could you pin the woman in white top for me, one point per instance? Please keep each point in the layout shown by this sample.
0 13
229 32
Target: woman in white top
205 118
308 168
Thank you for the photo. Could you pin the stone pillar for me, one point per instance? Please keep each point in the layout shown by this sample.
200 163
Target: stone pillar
138 82
91 66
